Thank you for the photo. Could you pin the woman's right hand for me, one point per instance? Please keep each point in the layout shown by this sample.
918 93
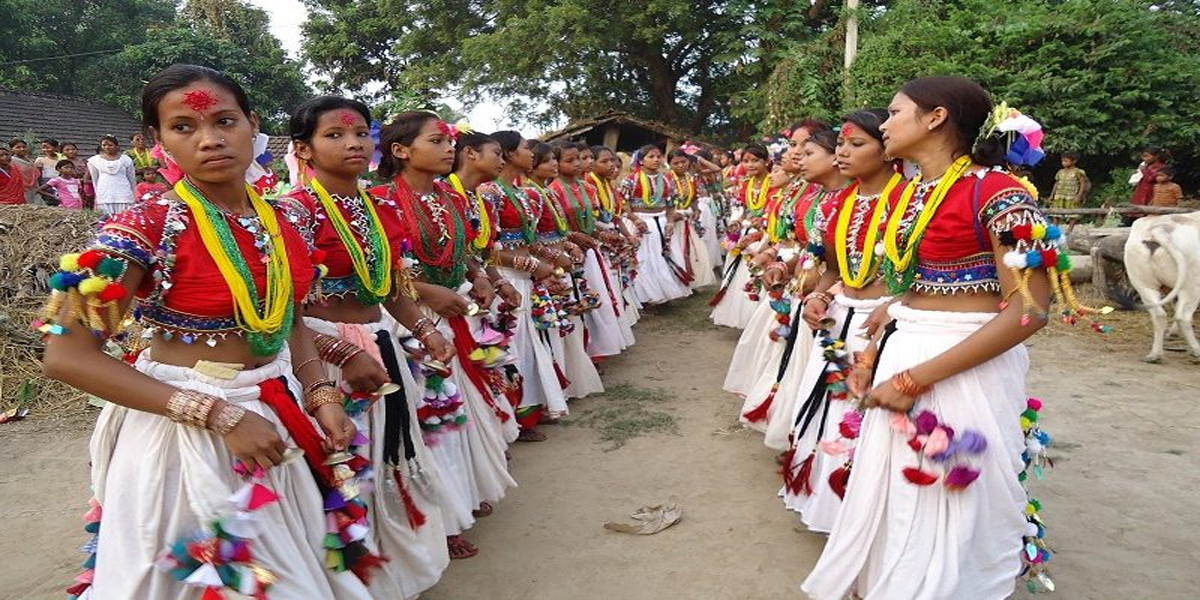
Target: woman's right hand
444 302
363 373
878 318
815 311
254 440
543 271
774 278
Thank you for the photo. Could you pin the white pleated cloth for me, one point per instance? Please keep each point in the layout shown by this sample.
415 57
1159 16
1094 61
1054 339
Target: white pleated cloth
819 509
540 385
604 329
416 557
697 255
736 308
760 387
896 540
754 346
159 481
655 283
710 239
575 363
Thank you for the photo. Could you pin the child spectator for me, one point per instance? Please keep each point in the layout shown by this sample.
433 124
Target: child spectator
149 187
47 165
71 152
1070 183
1166 191
68 187
12 188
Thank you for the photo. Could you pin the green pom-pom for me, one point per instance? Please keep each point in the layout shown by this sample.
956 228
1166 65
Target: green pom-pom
110 267
1031 415
332 541
434 382
1064 262
460 420
1037 506
58 282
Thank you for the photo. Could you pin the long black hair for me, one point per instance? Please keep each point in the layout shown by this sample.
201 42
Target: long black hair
403 130
509 141
473 140
826 138
179 76
303 123
542 152
868 120
968 106
757 149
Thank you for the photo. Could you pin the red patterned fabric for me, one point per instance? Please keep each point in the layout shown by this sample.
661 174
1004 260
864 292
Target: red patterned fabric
313 222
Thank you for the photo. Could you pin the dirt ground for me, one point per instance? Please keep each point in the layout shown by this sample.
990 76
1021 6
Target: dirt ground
1120 504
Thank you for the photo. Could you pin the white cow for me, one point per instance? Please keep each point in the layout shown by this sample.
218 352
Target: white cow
1164 252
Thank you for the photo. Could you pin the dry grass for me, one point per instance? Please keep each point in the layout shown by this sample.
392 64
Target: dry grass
31 240
623 412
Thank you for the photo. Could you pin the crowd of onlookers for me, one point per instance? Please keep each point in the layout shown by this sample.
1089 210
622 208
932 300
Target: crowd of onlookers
110 181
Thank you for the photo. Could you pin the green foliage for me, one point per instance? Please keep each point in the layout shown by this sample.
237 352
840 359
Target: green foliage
1105 77
681 62
228 35
48 32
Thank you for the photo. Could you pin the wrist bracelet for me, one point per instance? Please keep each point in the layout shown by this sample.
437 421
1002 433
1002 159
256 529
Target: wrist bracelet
301 366
317 384
228 418
904 383
320 397
822 296
349 356
189 407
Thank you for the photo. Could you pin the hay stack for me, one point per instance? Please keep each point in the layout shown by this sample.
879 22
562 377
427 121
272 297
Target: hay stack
31 240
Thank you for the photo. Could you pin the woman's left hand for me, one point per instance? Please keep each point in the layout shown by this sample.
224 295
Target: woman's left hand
482 291
363 373
885 395
336 424
508 293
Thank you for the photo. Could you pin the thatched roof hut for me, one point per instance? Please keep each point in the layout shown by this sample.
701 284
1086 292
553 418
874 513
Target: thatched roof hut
621 131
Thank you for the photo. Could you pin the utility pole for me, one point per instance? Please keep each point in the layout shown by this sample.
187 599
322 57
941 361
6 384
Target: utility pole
851 50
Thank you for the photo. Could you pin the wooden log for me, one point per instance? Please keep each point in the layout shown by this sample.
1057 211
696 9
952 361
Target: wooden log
1121 209
1081 268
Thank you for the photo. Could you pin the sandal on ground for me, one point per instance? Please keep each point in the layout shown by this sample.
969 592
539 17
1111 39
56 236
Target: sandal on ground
460 548
531 435
485 510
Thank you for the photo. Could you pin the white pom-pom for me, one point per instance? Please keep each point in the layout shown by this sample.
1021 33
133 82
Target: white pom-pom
1031 529
879 249
809 264
1014 260
450 389
1034 447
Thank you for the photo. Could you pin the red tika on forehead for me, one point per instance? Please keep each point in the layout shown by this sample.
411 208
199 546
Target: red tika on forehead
447 129
199 100
847 129
348 117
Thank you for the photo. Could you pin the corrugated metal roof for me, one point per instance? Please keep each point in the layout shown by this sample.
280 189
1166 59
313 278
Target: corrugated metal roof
65 118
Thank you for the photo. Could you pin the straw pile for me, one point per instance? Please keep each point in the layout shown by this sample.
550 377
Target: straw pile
31 240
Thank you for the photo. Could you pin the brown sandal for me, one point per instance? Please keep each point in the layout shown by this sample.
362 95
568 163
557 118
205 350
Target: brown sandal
460 548
484 510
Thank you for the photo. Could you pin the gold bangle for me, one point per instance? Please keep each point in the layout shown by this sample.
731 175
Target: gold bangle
312 387
189 407
904 383
228 418
304 364
320 397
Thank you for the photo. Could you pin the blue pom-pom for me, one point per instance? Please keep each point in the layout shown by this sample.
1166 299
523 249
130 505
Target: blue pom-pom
56 281
1053 232
1033 260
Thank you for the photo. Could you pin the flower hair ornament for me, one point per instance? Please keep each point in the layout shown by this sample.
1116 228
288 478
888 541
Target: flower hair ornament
1023 136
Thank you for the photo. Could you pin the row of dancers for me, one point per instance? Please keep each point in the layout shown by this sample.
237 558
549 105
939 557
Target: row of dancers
326 382
884 287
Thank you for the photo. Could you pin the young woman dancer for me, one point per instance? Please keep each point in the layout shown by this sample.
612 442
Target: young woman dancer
618 242
732 305
579 374
687 248
417 149
651 197
517 214
850 226
196 445
784 338
819 170
360 240
946 516
710 190
578 205
756 343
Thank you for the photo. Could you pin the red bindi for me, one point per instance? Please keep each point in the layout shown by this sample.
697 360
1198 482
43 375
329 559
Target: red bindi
199 100
348 118
847 129
447 129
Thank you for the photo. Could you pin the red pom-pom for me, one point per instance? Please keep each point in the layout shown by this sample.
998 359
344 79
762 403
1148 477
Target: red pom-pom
90 259
916 444
839 479
112 293
919 477
1049 257
1023 232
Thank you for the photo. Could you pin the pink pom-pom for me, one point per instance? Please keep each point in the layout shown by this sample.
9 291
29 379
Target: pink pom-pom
1034 404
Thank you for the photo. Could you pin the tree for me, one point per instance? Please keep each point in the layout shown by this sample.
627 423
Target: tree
677 61
52 43
274 88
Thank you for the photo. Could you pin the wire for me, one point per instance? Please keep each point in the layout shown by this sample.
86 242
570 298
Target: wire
30 60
